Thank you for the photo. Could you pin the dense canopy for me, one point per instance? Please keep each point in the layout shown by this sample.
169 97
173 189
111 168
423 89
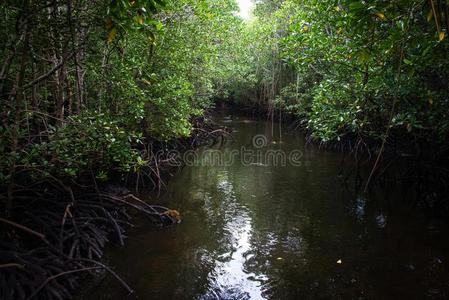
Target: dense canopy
101 74
91 90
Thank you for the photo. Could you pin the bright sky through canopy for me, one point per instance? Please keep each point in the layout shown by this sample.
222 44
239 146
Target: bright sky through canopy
245 6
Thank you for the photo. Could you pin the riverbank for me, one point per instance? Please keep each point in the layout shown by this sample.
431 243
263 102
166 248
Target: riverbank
57 228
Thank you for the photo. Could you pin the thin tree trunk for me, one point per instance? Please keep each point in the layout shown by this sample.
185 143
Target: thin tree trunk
17 94
7 63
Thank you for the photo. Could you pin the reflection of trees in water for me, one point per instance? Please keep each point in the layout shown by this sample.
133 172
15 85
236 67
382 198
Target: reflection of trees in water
282 230
230 225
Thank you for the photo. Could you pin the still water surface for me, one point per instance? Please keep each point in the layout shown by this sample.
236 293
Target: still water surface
254 230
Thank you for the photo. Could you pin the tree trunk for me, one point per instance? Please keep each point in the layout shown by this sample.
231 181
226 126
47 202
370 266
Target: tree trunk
17 94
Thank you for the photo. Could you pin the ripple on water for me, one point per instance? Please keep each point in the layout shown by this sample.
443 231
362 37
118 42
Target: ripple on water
230 278
277 233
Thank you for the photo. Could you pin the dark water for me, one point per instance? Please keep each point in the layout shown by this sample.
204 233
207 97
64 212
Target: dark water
263 229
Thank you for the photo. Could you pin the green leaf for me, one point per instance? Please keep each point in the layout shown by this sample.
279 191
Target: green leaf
356 6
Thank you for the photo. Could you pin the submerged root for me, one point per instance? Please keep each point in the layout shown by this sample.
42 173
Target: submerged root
53 238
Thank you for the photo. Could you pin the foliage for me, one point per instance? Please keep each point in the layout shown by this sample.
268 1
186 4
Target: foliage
357 66
84 83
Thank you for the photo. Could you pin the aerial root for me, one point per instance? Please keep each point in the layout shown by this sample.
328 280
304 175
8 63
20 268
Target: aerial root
45 248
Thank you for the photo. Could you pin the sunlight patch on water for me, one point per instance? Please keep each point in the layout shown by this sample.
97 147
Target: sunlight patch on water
229 279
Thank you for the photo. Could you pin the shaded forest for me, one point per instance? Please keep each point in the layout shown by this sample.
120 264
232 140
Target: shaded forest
98 91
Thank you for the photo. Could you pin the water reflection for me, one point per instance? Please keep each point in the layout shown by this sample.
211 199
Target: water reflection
253 232
230 279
